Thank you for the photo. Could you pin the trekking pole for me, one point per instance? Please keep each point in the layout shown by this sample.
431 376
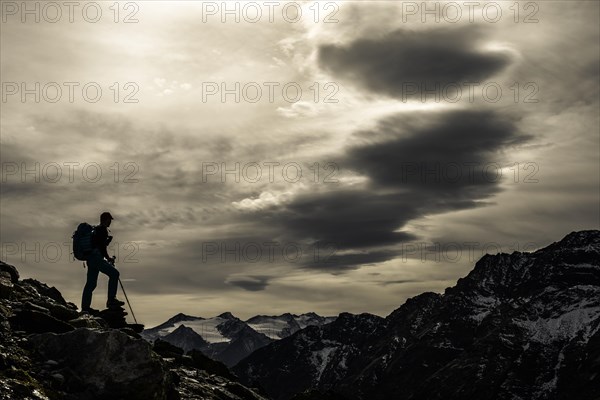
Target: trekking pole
129 304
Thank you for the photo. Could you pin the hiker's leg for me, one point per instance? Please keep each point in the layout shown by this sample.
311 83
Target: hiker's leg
113 278
90 284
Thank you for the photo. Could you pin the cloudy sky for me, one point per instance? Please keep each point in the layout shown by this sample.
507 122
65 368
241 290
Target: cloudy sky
325 157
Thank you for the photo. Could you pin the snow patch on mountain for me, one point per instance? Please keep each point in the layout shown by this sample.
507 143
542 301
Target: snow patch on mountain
281 326
564 327
320 359
273 328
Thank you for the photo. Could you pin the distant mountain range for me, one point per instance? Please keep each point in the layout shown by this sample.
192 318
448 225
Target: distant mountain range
227 338
518 326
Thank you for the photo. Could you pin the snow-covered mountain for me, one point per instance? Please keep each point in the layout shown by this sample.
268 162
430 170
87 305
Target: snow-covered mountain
281 326
205 327
518 326
225 337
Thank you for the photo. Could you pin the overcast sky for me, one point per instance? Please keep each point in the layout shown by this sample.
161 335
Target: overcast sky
378 178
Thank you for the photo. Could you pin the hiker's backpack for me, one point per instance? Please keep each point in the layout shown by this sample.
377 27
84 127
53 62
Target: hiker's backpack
82 241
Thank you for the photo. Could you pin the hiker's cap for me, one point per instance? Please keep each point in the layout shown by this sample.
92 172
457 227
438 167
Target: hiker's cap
105 215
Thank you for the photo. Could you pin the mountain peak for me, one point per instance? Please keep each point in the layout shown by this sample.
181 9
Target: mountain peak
181 317
227 315
311 314
586 239
506 274
182 328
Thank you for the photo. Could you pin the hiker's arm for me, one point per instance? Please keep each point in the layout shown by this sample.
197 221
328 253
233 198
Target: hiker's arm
105 253
108 240
102 241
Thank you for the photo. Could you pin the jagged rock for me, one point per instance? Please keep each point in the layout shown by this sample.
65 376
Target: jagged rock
110 365
44 290
137 328
34 307
14 274
86 321
62 312
37 322
5 310
58 377
6 285
194 358
166 349
131 332
199 360
115 317
50 306
200 385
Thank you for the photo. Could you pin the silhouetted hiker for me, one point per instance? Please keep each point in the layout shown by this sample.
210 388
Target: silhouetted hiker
100 261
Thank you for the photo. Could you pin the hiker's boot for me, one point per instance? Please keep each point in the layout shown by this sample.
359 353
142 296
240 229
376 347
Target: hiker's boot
114 303
90 311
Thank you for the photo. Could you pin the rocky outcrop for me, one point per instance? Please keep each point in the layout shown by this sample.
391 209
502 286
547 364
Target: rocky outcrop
10 270
104 364
48 350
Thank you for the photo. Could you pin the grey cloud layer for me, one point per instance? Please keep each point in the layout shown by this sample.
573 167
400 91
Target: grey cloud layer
363 225
397 154
437 56
396 157
442 154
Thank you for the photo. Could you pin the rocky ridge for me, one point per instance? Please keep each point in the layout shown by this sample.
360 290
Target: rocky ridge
48 350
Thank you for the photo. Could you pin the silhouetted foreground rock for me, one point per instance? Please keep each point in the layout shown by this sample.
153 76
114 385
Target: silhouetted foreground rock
104 364
48 350
115 317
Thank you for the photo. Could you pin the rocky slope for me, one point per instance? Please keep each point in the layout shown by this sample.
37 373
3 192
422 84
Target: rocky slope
519 326
49 351
311 356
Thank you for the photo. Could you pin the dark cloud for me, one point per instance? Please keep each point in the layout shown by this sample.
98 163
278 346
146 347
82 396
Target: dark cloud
452 155
250 283
349 218
399 282
387 64
327 258
372 218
